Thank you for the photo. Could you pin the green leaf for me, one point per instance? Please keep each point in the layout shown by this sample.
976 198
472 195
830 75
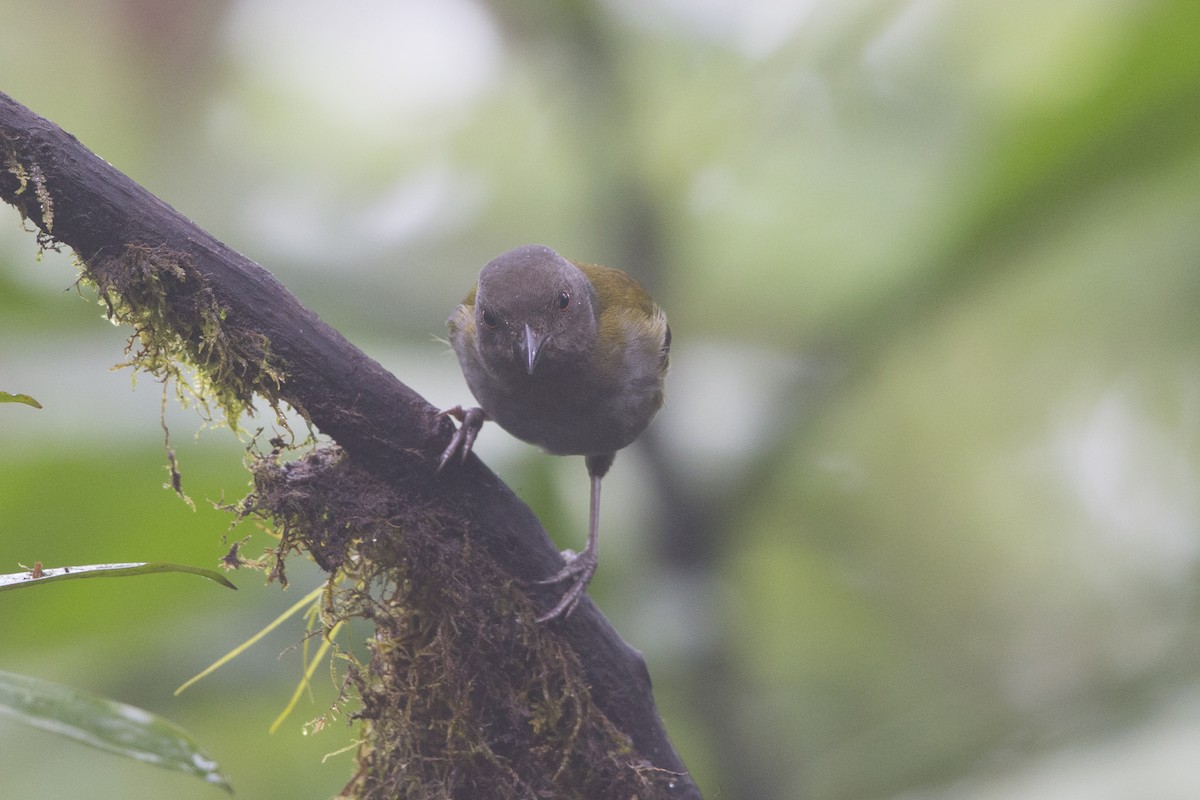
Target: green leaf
5 397
105 724
38 575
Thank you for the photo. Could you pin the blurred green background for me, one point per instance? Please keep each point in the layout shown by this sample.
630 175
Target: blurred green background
920 519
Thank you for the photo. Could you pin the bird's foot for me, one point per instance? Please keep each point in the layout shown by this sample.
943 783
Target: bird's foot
471 420
579 569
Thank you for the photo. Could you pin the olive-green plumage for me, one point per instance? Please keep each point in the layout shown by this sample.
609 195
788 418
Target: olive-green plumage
568 356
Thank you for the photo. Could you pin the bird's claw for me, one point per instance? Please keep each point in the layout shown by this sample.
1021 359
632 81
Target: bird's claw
579 569
471 420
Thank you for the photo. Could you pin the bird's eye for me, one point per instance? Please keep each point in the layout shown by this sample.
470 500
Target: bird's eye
489 318
564 300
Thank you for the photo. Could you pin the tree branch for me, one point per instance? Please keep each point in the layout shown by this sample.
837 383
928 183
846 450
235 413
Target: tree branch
190 297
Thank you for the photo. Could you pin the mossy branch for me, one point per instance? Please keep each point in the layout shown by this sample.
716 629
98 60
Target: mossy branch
464 696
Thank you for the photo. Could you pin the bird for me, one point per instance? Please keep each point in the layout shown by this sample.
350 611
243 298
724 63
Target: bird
568 356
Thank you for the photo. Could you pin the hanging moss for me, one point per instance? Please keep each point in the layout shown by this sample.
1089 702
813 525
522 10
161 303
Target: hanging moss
177 322
462 696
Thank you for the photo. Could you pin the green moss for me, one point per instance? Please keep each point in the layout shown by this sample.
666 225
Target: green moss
177 322
32 176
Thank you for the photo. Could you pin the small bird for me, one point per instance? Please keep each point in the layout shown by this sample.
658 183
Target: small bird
568 356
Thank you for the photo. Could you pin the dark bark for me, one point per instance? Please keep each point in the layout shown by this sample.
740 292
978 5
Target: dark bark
285 353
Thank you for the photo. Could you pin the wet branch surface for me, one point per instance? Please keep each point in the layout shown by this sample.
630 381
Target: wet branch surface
469 547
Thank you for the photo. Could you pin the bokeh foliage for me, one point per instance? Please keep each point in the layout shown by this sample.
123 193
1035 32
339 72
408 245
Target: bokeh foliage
920 518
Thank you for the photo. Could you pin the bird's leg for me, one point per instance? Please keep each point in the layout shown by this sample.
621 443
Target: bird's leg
472 420
580 568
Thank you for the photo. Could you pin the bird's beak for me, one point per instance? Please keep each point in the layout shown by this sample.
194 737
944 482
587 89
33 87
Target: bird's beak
533 347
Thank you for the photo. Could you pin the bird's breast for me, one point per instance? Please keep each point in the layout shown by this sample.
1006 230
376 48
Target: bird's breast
569 411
